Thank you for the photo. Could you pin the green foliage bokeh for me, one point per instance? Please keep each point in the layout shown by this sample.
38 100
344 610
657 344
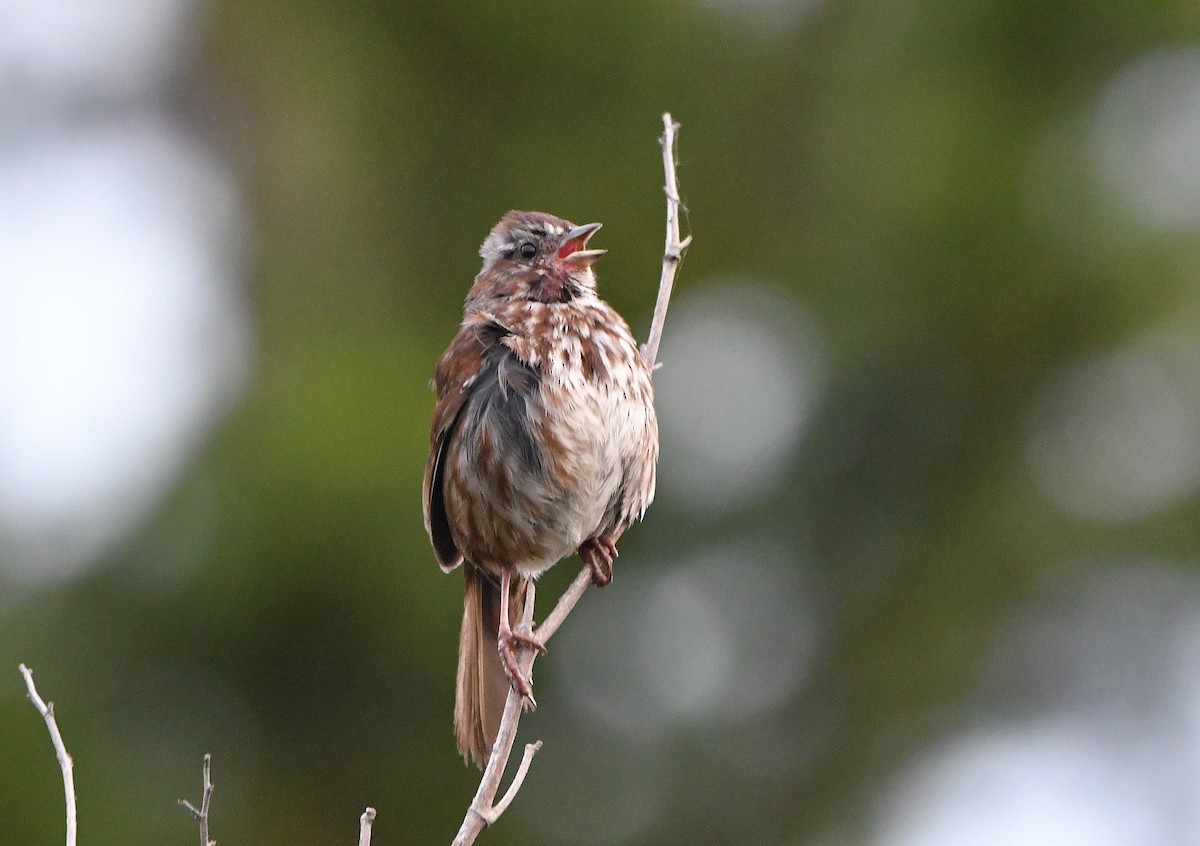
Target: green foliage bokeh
282 610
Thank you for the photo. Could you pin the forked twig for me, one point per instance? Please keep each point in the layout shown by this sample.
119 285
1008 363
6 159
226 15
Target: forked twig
46 709
484 809
200 815
518 779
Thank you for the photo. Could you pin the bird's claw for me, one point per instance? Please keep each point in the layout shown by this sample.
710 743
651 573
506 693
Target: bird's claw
599 554
507 646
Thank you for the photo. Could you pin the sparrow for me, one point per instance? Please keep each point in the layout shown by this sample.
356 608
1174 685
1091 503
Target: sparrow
544 444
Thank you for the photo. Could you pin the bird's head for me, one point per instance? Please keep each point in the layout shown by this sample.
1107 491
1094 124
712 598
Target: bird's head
536 256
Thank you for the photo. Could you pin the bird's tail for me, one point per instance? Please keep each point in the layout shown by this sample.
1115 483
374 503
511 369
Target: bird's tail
482 685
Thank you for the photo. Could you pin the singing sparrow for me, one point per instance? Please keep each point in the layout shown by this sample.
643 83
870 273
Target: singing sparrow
544 443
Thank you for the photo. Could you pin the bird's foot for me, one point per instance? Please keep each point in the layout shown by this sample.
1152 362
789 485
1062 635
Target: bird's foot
599 554
507 645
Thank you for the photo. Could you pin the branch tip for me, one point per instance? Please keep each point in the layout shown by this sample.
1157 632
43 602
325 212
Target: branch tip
674 247
364 827
518 779
200 815
65 764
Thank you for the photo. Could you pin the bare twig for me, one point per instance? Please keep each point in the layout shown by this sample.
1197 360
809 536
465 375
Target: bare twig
200 815
518 779
484 809
364 827
565 604
674 249
46 709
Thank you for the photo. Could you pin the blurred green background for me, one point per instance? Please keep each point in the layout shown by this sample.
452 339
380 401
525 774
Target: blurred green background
923 565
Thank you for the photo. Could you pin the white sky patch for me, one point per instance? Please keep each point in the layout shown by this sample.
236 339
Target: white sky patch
1049 784
1116 437
741 373
1086 728
1147 138
718 641
120 332
56 50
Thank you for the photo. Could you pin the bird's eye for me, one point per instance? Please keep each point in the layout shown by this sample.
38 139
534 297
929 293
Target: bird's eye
527 250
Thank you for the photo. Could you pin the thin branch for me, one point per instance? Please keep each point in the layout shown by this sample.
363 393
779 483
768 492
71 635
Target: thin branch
364 827
484 809
200 815
518 779
566 603
674 248
46 709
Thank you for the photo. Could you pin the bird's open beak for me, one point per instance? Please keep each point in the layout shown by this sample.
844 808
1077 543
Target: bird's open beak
572 251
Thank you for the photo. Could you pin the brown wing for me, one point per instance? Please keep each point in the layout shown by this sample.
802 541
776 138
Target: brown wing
453 379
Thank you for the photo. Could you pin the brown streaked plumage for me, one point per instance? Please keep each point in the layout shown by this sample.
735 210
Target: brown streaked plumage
544 443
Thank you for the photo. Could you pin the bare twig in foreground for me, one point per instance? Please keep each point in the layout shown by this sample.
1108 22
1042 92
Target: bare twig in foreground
518 779
364 827
484 809
200 815
46 709
673 251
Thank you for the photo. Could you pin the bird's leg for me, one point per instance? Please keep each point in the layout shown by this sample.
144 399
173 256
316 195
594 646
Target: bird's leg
599 553
508 640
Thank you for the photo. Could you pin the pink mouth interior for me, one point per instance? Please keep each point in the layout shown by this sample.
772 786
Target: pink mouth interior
572 246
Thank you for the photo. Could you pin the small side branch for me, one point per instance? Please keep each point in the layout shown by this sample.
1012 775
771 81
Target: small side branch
484 810
674 249
46 709
200 815
364 827
518 779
